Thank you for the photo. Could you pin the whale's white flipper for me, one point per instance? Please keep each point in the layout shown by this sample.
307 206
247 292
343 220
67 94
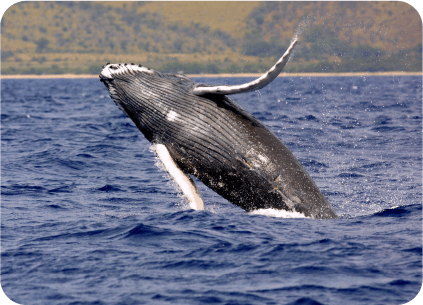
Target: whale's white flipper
185 183
257 84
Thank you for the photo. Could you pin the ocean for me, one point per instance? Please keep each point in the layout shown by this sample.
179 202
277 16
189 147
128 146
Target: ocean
87 217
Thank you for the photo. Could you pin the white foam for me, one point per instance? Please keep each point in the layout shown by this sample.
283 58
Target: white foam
304 24
277 213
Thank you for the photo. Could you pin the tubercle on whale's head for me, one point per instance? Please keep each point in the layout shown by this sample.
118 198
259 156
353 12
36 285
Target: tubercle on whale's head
110 71
124 73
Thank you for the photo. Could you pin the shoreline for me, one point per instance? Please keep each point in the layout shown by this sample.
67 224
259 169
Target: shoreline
61 76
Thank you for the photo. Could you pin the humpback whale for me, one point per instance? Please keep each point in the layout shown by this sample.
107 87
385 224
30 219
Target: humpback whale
198 131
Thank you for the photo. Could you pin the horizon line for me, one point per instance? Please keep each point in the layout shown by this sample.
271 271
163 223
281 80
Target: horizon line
198 75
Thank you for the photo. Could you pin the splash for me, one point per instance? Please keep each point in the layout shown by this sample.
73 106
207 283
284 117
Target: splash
259 95
277 213
304 24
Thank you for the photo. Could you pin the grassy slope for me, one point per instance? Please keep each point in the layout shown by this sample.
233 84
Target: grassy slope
81 39
48 37
343 36
386 25
227 16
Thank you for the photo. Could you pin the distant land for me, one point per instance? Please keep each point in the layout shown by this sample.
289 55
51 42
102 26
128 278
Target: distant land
224 75
210 37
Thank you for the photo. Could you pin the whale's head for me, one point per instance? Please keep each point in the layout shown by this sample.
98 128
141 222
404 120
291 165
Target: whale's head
116 76
145 95
123 78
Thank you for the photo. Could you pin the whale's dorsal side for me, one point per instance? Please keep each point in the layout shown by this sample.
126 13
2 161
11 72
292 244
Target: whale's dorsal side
257 84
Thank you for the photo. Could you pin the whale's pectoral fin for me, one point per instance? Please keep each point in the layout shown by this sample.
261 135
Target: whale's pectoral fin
257 84
185 183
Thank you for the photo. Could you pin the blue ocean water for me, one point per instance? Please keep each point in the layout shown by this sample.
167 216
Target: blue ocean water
88 218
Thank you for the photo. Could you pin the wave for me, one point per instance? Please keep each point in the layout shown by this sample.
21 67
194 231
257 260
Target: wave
277 213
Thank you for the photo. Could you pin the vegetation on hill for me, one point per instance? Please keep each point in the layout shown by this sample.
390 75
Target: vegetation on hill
210 37
340 36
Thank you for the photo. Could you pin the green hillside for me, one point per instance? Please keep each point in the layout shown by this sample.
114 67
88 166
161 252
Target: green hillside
210 37
340 36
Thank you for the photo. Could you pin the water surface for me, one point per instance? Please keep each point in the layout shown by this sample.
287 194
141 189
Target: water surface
88 218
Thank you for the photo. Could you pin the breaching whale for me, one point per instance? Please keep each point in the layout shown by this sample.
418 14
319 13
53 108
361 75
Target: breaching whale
198 131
